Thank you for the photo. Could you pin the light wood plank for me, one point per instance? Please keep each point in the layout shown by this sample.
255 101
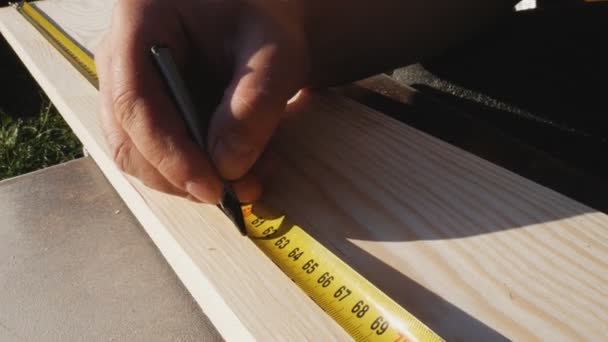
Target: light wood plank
477 252
242 292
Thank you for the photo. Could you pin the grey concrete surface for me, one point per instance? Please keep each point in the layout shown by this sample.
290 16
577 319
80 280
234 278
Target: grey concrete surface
76 266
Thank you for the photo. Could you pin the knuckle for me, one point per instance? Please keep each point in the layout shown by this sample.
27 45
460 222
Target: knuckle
128 108
165 156
121 154
163 161
251 101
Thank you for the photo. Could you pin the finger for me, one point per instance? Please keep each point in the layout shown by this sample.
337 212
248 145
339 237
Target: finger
267 166
129 160
248 189
250 110
123 152
143 108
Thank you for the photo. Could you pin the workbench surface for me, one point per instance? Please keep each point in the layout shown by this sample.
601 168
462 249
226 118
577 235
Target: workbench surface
76 266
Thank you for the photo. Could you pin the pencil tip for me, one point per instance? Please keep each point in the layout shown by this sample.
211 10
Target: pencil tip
231 206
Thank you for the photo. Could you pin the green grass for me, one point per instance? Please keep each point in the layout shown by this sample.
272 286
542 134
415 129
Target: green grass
32 133
35 142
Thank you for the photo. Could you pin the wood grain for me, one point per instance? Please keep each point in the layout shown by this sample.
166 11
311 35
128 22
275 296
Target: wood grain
475 251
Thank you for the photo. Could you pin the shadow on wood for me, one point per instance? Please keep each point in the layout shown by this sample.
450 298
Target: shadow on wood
386 197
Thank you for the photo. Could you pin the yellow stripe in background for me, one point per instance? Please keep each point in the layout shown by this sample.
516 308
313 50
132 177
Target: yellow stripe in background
72 51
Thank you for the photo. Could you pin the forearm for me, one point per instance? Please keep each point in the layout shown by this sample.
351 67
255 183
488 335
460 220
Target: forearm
350 39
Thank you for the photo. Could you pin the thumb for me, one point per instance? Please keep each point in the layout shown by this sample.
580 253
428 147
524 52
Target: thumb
248 115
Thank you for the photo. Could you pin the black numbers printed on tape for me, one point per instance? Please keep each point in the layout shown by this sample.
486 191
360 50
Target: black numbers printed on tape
310 266
342 293
325 279
282 242
258 222
269 230
360 309
295 254
379 325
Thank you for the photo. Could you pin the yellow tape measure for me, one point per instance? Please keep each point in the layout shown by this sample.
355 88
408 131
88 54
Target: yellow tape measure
68 47
364 311
359 307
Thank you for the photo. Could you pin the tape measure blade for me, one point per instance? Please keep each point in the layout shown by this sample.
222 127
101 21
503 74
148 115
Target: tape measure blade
364 311
74 53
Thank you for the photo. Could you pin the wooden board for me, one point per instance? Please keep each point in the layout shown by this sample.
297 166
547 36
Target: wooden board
476 252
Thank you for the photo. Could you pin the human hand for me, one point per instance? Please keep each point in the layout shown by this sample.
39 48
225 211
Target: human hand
245 58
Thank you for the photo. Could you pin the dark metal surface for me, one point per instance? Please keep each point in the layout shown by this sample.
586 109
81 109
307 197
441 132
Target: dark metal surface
538 77
76 266
527 95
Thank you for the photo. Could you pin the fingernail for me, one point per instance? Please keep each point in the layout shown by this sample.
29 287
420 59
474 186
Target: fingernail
203 193
230 154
